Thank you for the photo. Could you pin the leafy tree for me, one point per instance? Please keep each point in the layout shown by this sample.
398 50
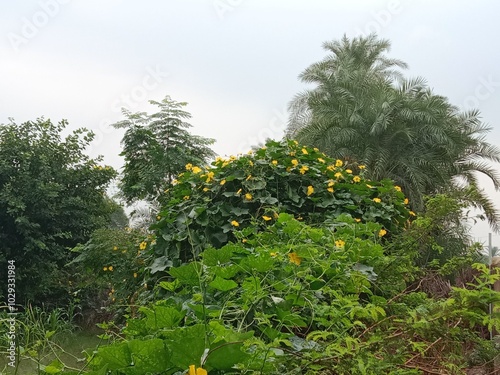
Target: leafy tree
52 197
156 148
363 110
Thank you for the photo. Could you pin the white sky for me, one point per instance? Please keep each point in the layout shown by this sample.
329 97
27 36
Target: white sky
235 62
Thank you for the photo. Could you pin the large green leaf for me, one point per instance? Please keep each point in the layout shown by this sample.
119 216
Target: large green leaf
149 356
186 345
187 274
223 284
116 356
160 317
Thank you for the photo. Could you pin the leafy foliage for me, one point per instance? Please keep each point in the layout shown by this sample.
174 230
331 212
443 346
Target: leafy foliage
303 300
206 205
156 147
52 197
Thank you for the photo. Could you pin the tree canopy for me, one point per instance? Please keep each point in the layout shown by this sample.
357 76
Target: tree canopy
52 196
362 109
156 148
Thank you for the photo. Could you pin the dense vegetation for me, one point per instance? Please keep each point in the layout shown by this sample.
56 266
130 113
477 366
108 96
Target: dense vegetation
342 252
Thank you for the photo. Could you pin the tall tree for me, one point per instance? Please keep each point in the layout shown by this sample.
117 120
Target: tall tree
157 147
363 110
52 196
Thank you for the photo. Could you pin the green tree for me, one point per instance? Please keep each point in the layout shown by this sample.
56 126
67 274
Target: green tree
156 148
52 197
363 110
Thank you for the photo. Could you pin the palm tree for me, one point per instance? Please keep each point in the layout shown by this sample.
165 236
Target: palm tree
364 111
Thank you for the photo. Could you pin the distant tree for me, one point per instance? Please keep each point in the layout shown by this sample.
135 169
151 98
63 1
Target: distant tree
52 197
156 148
363 110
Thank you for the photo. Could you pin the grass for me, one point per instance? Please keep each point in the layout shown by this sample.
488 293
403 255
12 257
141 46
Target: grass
69 349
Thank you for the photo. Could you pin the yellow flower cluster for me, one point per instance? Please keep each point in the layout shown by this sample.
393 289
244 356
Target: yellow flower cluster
108 268
310 190
234 223
382 232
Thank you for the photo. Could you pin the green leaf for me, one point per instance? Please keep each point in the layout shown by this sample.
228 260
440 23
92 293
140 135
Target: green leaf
149 356
186 345
215 257
225 355
55 367
223 284
187 274
162 317
116 356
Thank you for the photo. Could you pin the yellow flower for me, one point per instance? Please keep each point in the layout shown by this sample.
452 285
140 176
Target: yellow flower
218 159
197 371
274 162
196 170
321 160
158 217
251 163
340 244
294 258
304 151
296 143
124 251
238 192
330 189
210 176
105 269
266 218
357 220
275 215
382 232
273 254
310 190
339 163
303 169
397 188
331 168
412 213
338 175
248 196
143 245
189 166
110 268
234 223
244 240
115 248
250 152
295 162
369 186
249 177
361 166
377 200
186 197
206 189
406 201
223 182
349 171
135 275
316 149
356 179
331 183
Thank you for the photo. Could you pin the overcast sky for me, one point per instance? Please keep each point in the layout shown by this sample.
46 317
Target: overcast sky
235 62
